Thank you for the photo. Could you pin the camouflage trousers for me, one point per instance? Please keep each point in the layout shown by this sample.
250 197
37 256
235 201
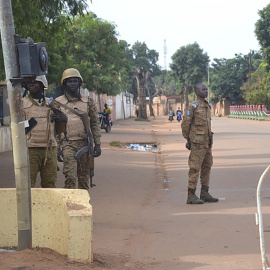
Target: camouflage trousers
48 171
200 163
73 169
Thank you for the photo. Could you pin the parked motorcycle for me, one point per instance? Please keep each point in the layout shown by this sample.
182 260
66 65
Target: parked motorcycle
104 122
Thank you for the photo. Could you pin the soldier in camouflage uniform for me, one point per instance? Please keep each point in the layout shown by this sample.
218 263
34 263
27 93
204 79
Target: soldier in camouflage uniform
196 129
73 169
42 146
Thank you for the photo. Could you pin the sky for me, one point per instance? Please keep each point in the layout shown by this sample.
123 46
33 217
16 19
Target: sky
221 28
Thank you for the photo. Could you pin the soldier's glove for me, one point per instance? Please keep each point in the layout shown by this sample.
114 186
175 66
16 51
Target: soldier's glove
188 145
59 116
97 150
60 157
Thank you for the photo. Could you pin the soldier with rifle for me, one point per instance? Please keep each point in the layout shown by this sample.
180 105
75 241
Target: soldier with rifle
41 140
82 142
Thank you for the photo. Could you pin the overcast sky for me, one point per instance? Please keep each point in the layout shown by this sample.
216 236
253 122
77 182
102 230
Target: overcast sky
221 28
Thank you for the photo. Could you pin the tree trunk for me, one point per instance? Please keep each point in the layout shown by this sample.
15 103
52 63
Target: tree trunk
186 96
150 101
142 103
151 106
141 92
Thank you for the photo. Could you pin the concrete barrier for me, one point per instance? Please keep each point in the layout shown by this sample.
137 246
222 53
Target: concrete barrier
61 220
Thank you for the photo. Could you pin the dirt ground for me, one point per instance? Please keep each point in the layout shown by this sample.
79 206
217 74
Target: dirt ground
141 219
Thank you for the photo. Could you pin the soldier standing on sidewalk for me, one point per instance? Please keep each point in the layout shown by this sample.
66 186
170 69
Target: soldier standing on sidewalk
73 169
196 129
42 145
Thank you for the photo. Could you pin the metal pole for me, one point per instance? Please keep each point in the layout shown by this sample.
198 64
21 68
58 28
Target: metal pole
20 151
249 70
259 221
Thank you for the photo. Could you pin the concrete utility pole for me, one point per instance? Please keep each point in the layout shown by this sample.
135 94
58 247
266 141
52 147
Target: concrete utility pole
20 151
165 54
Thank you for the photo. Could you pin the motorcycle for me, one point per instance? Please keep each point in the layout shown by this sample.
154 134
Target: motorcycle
171 115
105 122
179 116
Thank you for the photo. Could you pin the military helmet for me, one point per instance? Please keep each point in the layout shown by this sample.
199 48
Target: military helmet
69 73
43 80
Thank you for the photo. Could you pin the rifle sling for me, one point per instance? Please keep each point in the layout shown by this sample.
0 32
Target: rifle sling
68 108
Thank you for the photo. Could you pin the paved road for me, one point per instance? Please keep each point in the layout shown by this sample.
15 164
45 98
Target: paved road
142 222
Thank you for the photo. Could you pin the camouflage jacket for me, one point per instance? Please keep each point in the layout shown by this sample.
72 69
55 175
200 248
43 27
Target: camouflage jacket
196 124
75 124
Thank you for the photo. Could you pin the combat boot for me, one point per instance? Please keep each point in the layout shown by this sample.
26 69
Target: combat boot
205 196
192 198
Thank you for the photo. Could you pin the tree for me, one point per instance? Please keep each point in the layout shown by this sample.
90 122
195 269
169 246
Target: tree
189 66
262 31
142 79
166 84
256 90
91 46
144 62
227 77
44 21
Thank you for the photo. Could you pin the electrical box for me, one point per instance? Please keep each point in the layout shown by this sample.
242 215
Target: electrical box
33 57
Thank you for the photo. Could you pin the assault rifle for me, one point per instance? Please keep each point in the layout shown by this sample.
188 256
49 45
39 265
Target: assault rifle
52 104
88 137
89 147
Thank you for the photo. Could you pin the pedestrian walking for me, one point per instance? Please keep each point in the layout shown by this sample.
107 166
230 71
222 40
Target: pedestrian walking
196 129
41 141
73 169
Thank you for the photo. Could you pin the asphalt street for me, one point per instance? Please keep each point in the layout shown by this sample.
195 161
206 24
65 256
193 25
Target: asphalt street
139 203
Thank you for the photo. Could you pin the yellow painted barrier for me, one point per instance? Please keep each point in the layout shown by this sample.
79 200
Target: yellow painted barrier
61 220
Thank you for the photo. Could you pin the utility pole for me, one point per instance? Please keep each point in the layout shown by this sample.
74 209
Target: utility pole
20 151
249 69
165 54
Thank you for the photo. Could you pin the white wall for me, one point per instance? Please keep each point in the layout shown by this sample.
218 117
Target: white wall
123 109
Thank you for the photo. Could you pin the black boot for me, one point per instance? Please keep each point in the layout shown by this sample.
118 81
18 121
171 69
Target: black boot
205 196
192 198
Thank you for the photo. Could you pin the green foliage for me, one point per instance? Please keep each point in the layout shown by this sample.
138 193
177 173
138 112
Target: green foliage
262 31
257 89
145 58
75 38
227 76
140 56
45 21
93 48
189 64
115 144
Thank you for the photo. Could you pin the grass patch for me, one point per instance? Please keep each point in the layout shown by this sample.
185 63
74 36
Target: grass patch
141 119
115 144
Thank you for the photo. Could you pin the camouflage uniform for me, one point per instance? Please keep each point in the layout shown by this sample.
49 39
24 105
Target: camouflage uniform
196 128
42 145
78 170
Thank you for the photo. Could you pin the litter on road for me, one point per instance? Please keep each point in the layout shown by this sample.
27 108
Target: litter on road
143 148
